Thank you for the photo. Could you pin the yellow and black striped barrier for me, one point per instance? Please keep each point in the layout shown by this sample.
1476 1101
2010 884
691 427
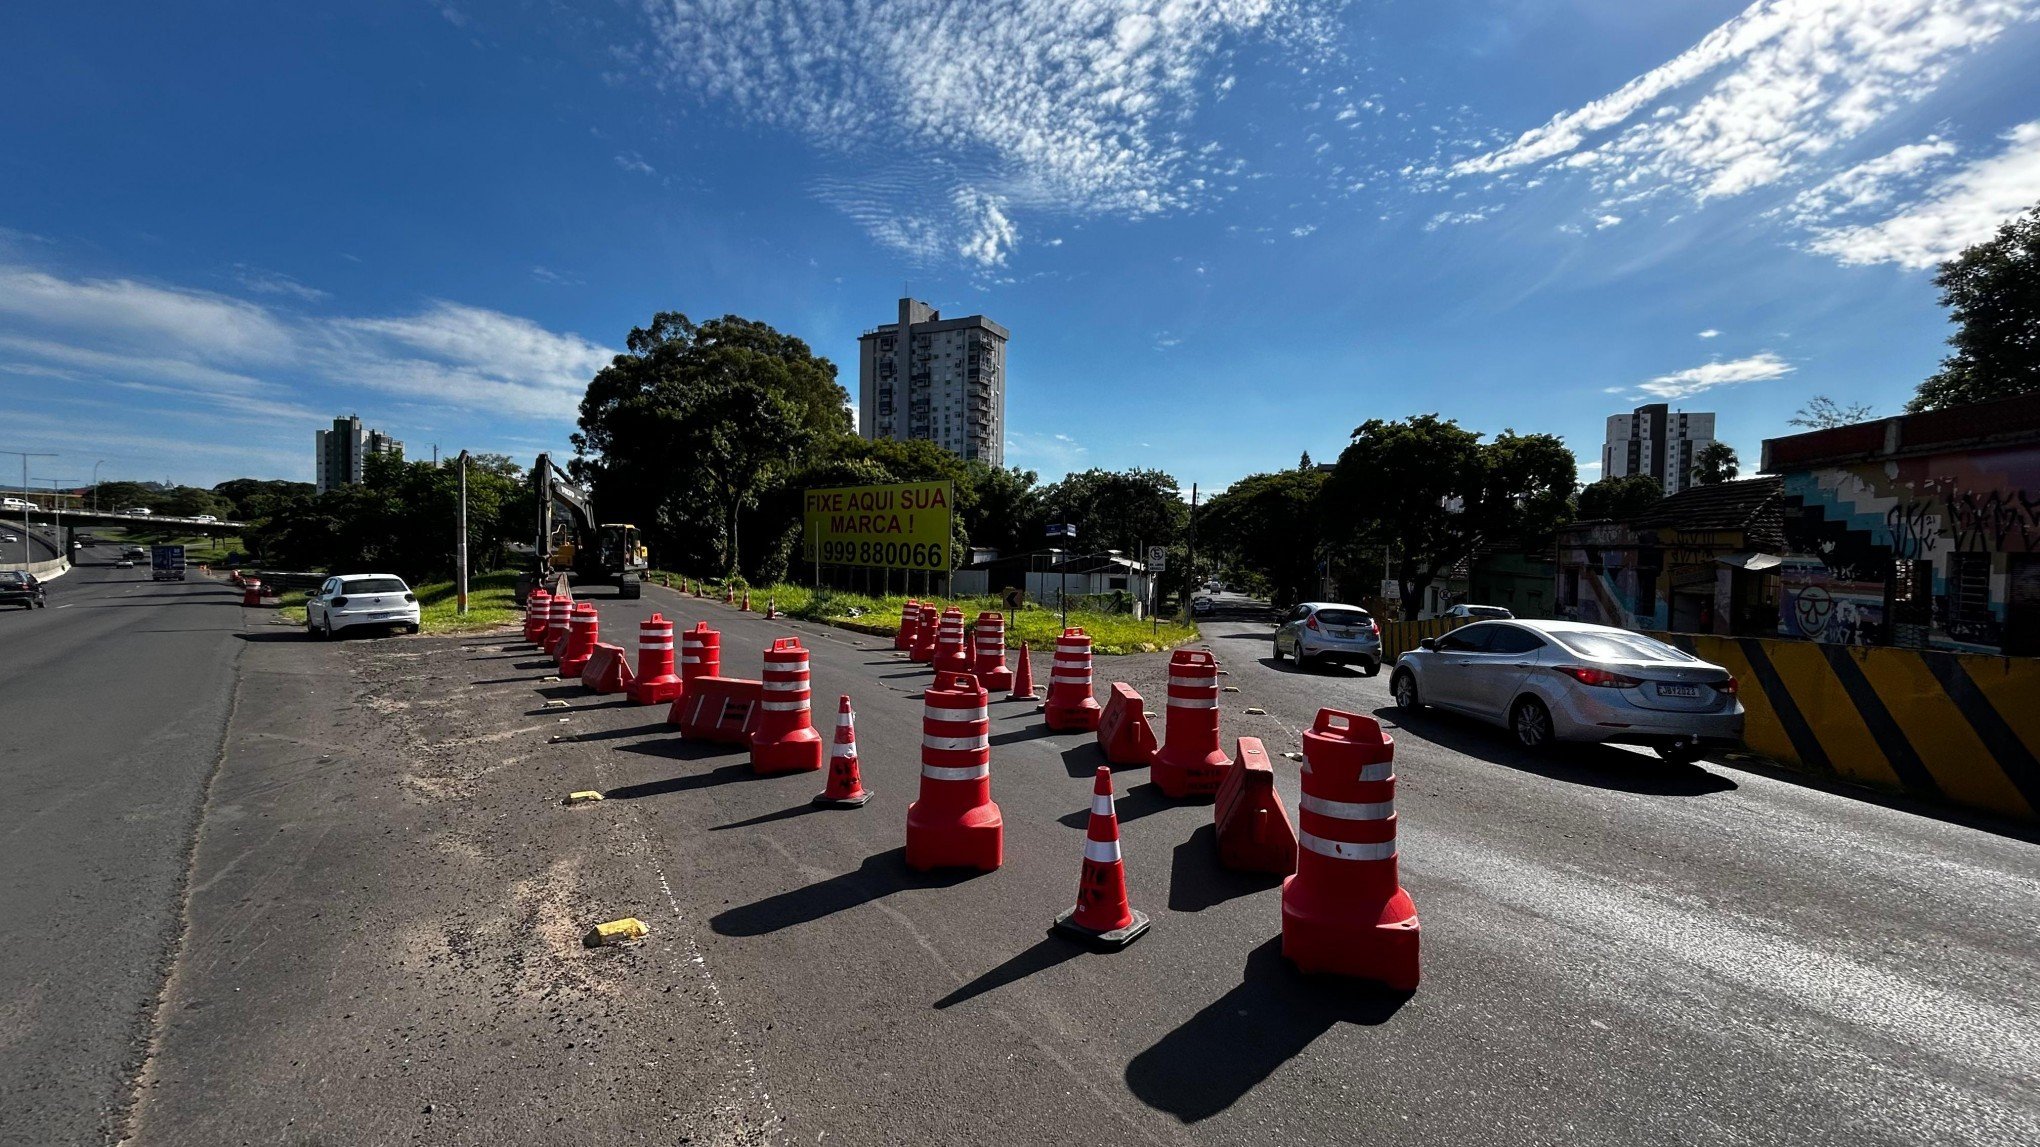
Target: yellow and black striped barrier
1399 637
1947 726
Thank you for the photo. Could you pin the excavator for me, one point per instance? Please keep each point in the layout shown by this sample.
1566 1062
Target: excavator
570 542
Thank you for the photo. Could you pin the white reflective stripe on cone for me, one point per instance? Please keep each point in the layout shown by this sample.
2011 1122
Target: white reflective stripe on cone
785 686
783 706
1347 810
786 667
1176 702
1176 682
1102 805
839 750
937 713
1071 678
655 645
1385 771
1101 851
1347 850
967 773
956 744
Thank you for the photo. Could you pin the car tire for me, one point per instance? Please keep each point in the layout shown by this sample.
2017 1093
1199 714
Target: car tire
1404 686
1530 724
1370 669
1276 652
1678 754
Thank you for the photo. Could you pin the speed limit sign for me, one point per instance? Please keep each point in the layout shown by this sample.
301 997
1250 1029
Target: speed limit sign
1158 558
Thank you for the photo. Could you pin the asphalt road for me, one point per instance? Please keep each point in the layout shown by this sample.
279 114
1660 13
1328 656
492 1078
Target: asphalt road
386 896
114 700
40 548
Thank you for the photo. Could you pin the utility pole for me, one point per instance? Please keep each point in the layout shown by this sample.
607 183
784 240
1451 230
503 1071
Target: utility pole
1190 560
95 483
25 456
460 552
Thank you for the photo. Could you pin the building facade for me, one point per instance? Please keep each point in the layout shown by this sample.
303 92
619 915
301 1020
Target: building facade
935 379
1920 531
1654 440
340 454
1703 561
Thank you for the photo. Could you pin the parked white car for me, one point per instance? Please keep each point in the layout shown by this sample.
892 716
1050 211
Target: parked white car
361 601
1478 612
138 511
205 518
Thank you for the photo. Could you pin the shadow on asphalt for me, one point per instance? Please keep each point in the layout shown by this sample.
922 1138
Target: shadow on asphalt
277 635
676 749
1226 1050
614 734
775 815
1082 759
1043 955
1600 766
1032 732
1141 800
1197 882
506 681
881 875
725 775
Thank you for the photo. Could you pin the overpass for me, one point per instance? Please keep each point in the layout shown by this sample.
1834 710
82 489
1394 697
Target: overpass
73 519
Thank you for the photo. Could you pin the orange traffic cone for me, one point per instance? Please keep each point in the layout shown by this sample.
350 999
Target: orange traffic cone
747 599
1023 680
846 789
1102 916
729 594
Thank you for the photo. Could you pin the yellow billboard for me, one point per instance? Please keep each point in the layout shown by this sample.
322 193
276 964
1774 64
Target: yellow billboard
902 527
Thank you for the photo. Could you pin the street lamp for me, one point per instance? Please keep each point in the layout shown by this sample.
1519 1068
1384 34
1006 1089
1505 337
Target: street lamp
460 552
95 484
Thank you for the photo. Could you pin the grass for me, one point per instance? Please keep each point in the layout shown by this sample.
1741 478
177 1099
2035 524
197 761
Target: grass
1034 625
491 603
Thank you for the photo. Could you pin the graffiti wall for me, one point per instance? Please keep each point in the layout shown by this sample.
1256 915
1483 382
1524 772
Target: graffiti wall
1936 547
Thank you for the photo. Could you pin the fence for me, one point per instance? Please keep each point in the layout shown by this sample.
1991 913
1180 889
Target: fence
1399 637
1947 726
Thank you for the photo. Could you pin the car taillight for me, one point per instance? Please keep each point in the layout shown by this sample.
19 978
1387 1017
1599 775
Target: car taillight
1374 627
1310 623
1598 678
410 597
1728 686
339 603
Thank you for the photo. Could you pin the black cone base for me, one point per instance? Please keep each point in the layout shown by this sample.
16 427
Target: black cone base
1111 941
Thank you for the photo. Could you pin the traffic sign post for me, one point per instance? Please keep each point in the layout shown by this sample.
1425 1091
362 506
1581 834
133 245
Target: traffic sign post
1064 530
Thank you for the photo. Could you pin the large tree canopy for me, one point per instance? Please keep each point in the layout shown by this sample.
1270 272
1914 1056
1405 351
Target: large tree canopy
1992 292
1432 493
1269 525
1620 498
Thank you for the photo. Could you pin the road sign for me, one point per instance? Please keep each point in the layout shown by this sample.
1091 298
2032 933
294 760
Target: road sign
1062 530
906 526
1158 559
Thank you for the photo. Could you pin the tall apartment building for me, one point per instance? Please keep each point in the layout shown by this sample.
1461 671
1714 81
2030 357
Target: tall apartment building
936 379
340 453
1652 440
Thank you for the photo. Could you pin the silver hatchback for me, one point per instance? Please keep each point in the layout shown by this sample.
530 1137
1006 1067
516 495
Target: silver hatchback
1327 633
1551 681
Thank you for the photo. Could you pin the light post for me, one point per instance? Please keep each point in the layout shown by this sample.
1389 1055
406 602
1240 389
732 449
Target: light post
25 456
1068 531
461 552
95 484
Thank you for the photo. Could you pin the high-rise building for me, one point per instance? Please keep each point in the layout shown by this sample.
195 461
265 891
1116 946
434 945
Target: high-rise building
936 379
1655 441
340 453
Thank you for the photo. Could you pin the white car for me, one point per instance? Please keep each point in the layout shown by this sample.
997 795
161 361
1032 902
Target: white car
361 601
138 511
1479 612
205 518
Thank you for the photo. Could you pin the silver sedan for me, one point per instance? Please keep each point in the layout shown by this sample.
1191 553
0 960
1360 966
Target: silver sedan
1326 633
1551 681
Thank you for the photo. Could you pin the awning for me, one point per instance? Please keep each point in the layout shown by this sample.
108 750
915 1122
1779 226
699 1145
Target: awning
1750 562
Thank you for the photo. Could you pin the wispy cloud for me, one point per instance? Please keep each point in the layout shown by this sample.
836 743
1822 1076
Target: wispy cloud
1695 380
274 283
1053 454
1962 208
1709 333
1028 104
634 163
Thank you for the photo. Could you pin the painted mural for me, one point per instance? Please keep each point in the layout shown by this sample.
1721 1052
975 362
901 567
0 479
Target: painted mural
1969 521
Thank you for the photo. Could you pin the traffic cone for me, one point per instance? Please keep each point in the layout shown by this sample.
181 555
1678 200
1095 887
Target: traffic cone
747 599
771 610
729 594
846 789
1023 680
1103 917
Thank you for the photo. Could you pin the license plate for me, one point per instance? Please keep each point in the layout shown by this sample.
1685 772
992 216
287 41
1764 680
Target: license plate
1343 634
1678 690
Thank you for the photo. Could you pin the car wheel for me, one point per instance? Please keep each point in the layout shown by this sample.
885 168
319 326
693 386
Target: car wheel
1370 668
1404 685
1276 653
1679 754
1530 721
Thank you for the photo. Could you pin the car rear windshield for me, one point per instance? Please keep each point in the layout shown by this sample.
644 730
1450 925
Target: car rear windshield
13 577
1343 616
1619 646
1486 611
375 585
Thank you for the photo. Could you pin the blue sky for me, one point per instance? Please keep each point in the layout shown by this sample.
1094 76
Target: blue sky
1222 232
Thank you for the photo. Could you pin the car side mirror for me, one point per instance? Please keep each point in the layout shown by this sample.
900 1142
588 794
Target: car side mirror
1430 643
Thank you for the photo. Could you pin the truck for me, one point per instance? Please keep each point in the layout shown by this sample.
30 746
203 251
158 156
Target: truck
571 542
166 563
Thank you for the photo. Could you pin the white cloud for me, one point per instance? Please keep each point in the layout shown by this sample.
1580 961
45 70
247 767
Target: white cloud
1694 380
274 283
1964 207
1709 333
1036 104
1759 97
1303 231
466 356
122 314
635 164
1603 222
1868 184
990 234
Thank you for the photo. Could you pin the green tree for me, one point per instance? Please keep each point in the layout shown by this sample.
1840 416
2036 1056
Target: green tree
1620 498
1992 292
1117 509
1433 493
692 425
1824 413
1268 526
1715 463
